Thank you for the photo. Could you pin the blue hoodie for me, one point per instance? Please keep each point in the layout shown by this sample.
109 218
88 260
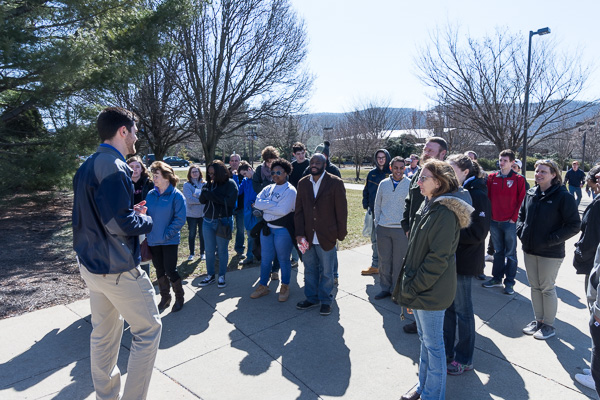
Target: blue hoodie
168 214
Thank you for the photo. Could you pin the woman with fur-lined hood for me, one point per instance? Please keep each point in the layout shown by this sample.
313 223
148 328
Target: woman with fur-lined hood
427 282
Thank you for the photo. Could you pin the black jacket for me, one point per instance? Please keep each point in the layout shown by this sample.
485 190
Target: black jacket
547 220
374 177
220 199
471 244
298 171
585 248
413 202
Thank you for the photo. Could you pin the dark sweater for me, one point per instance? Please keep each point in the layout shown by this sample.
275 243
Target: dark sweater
586 246
298 171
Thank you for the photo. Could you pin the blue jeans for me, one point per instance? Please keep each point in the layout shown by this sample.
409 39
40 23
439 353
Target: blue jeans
575 190
249 254
432 363
318 274
461 313
214 243
277 245
193 227
504 237
238 217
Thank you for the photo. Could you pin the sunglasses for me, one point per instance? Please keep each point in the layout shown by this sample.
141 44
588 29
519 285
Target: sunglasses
278 173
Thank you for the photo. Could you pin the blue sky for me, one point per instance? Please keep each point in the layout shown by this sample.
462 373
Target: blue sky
366 49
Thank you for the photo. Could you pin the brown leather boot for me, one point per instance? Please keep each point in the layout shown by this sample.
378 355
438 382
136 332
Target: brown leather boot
178 289
284 292
165 296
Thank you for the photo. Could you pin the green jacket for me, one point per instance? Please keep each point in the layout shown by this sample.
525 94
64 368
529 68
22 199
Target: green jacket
427 280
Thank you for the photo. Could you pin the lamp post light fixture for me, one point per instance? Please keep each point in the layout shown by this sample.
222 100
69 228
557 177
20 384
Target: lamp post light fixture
543 31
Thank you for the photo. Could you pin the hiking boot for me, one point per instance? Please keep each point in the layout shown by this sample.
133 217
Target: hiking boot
586 380
209 280
382 295
164 287
178 289
260 291
509 289
305 305
370 271
221 282
284 292
545 332
325 309
410 328
492 283
532 327
274 276
456 368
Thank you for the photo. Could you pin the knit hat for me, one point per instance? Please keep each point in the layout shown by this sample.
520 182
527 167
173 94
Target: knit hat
323 148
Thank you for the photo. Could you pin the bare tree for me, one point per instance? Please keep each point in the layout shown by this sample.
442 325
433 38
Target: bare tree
444 123
243 61
157 101
364 130
483 80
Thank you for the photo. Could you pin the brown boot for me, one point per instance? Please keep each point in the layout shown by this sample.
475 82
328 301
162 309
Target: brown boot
178 289
259 292
165 295
284 292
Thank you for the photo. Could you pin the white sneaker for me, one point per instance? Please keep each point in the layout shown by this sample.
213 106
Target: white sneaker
191 257
489 258
203 256
586 380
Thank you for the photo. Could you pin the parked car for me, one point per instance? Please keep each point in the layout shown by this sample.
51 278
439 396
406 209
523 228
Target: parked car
149 159
174 161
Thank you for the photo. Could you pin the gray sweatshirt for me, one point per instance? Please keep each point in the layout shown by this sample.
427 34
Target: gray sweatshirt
389 202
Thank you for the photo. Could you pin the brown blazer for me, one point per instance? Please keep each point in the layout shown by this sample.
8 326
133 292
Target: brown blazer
327 214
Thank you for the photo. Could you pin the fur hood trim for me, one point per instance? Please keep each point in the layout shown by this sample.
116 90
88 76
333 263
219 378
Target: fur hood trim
460 208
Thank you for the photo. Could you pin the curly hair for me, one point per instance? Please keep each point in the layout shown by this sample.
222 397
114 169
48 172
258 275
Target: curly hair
269 153
284 164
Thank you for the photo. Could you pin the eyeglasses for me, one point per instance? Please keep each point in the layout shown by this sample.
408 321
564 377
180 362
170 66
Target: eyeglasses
423 178
278 173
155 170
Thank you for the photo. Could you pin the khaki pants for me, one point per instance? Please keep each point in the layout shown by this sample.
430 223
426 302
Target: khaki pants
392 244
541 273
127 295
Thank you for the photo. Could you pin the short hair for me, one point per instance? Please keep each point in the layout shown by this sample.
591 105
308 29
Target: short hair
111 119
221 172
189 174
244 166
284 164
414 156
235 155
444 174
575 162
441 141
508 153
269 153
296 147
471 151
397 159
554 168
591 175
138 159
166 171
464 162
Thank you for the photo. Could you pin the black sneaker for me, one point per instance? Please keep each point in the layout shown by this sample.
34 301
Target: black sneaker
325 309
209 280
305 305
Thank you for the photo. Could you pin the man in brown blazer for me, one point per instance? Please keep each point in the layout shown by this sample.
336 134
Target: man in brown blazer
321 219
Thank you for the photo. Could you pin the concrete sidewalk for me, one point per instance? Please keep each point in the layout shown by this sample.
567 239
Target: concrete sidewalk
224 345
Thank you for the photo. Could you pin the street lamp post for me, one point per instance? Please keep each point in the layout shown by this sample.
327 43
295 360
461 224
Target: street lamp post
543 31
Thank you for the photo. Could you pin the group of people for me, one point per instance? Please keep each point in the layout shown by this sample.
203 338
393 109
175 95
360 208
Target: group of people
428 225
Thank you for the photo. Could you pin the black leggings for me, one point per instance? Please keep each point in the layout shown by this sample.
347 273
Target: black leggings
164 259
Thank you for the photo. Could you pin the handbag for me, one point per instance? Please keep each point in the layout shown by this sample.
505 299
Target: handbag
145 251
368 226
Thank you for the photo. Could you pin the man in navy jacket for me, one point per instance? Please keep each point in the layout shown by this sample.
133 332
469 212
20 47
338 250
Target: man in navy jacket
106 225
